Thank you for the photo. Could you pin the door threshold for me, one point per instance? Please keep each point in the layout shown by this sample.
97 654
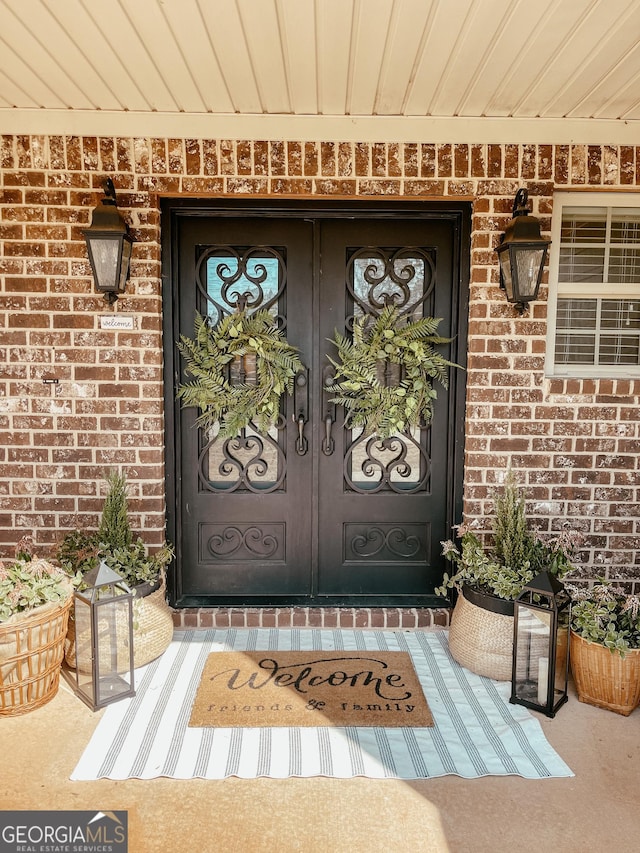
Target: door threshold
312 617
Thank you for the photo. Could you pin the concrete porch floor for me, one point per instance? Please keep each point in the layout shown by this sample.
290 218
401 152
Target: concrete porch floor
597 810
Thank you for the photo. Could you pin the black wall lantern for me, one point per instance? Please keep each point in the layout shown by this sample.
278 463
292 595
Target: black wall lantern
522 254
109 246
541 645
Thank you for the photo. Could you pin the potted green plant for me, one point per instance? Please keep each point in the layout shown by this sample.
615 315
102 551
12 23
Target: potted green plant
35 597
115 544
605 647
488 578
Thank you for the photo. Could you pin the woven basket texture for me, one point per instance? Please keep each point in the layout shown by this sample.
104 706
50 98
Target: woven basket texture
481 641
31 653
604 678
152 634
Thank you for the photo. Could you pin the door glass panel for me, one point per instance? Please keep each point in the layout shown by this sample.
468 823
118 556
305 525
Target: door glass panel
236 278
252 462
377 277
253 276
397 463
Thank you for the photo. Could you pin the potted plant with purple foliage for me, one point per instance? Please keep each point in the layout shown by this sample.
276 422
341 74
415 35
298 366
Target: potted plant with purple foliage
605 647
488 578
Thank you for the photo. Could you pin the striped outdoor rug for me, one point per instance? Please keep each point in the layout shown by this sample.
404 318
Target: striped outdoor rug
476 732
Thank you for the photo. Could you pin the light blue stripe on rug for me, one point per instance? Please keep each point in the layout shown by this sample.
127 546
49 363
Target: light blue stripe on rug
295 752
120 735
438 741
184 713
264 752
386 753
355 752
476 732
420 767
326 757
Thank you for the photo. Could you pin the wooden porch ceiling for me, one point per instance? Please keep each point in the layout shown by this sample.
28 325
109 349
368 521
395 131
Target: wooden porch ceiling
397 69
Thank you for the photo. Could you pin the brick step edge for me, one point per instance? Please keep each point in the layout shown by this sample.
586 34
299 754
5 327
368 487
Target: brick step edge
312 617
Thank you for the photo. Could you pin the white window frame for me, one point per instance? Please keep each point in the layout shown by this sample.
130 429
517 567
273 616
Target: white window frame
556 288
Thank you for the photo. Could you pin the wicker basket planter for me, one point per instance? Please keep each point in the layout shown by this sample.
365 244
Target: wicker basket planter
603 678
481 634
152 629
31 653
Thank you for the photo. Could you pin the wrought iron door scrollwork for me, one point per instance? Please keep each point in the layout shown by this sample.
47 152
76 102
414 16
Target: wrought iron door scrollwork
243 278
380 459
254 541
395 541
252 461
378 277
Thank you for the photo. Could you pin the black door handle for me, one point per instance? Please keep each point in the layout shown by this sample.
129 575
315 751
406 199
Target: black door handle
300 415
329 409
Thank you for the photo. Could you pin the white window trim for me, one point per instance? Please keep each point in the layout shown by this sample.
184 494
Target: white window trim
621 291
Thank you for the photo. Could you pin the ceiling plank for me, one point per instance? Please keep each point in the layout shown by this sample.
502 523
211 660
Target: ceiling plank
262 33
298 33
611 61
530 70
371 26
476 36
133 54
28 25
226 32
192 37
624 83
31 90
103 69
11 94
573 51
512 30
166 55
334 41
445 24
409 19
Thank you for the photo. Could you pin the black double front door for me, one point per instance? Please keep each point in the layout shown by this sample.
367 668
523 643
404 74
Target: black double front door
313 512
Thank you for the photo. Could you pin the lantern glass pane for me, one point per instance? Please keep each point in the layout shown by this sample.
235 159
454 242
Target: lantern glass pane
124 265
529 262
112 646
104 253
533 642
505 269
82 630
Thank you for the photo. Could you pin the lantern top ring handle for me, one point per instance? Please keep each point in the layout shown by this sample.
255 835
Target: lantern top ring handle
520 203
109 189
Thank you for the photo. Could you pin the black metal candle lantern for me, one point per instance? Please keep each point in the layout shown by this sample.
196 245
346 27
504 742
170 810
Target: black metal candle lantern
103 621
541 645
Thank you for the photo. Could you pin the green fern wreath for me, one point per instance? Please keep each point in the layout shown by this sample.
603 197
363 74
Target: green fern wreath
208 357
368 402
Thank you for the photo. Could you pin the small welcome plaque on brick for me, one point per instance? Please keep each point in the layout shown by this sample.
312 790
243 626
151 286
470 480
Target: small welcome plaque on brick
116 321
309 688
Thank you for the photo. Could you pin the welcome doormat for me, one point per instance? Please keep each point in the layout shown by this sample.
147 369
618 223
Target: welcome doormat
322 688
476 731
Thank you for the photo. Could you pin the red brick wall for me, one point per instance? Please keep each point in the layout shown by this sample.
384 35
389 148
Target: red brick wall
574 443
